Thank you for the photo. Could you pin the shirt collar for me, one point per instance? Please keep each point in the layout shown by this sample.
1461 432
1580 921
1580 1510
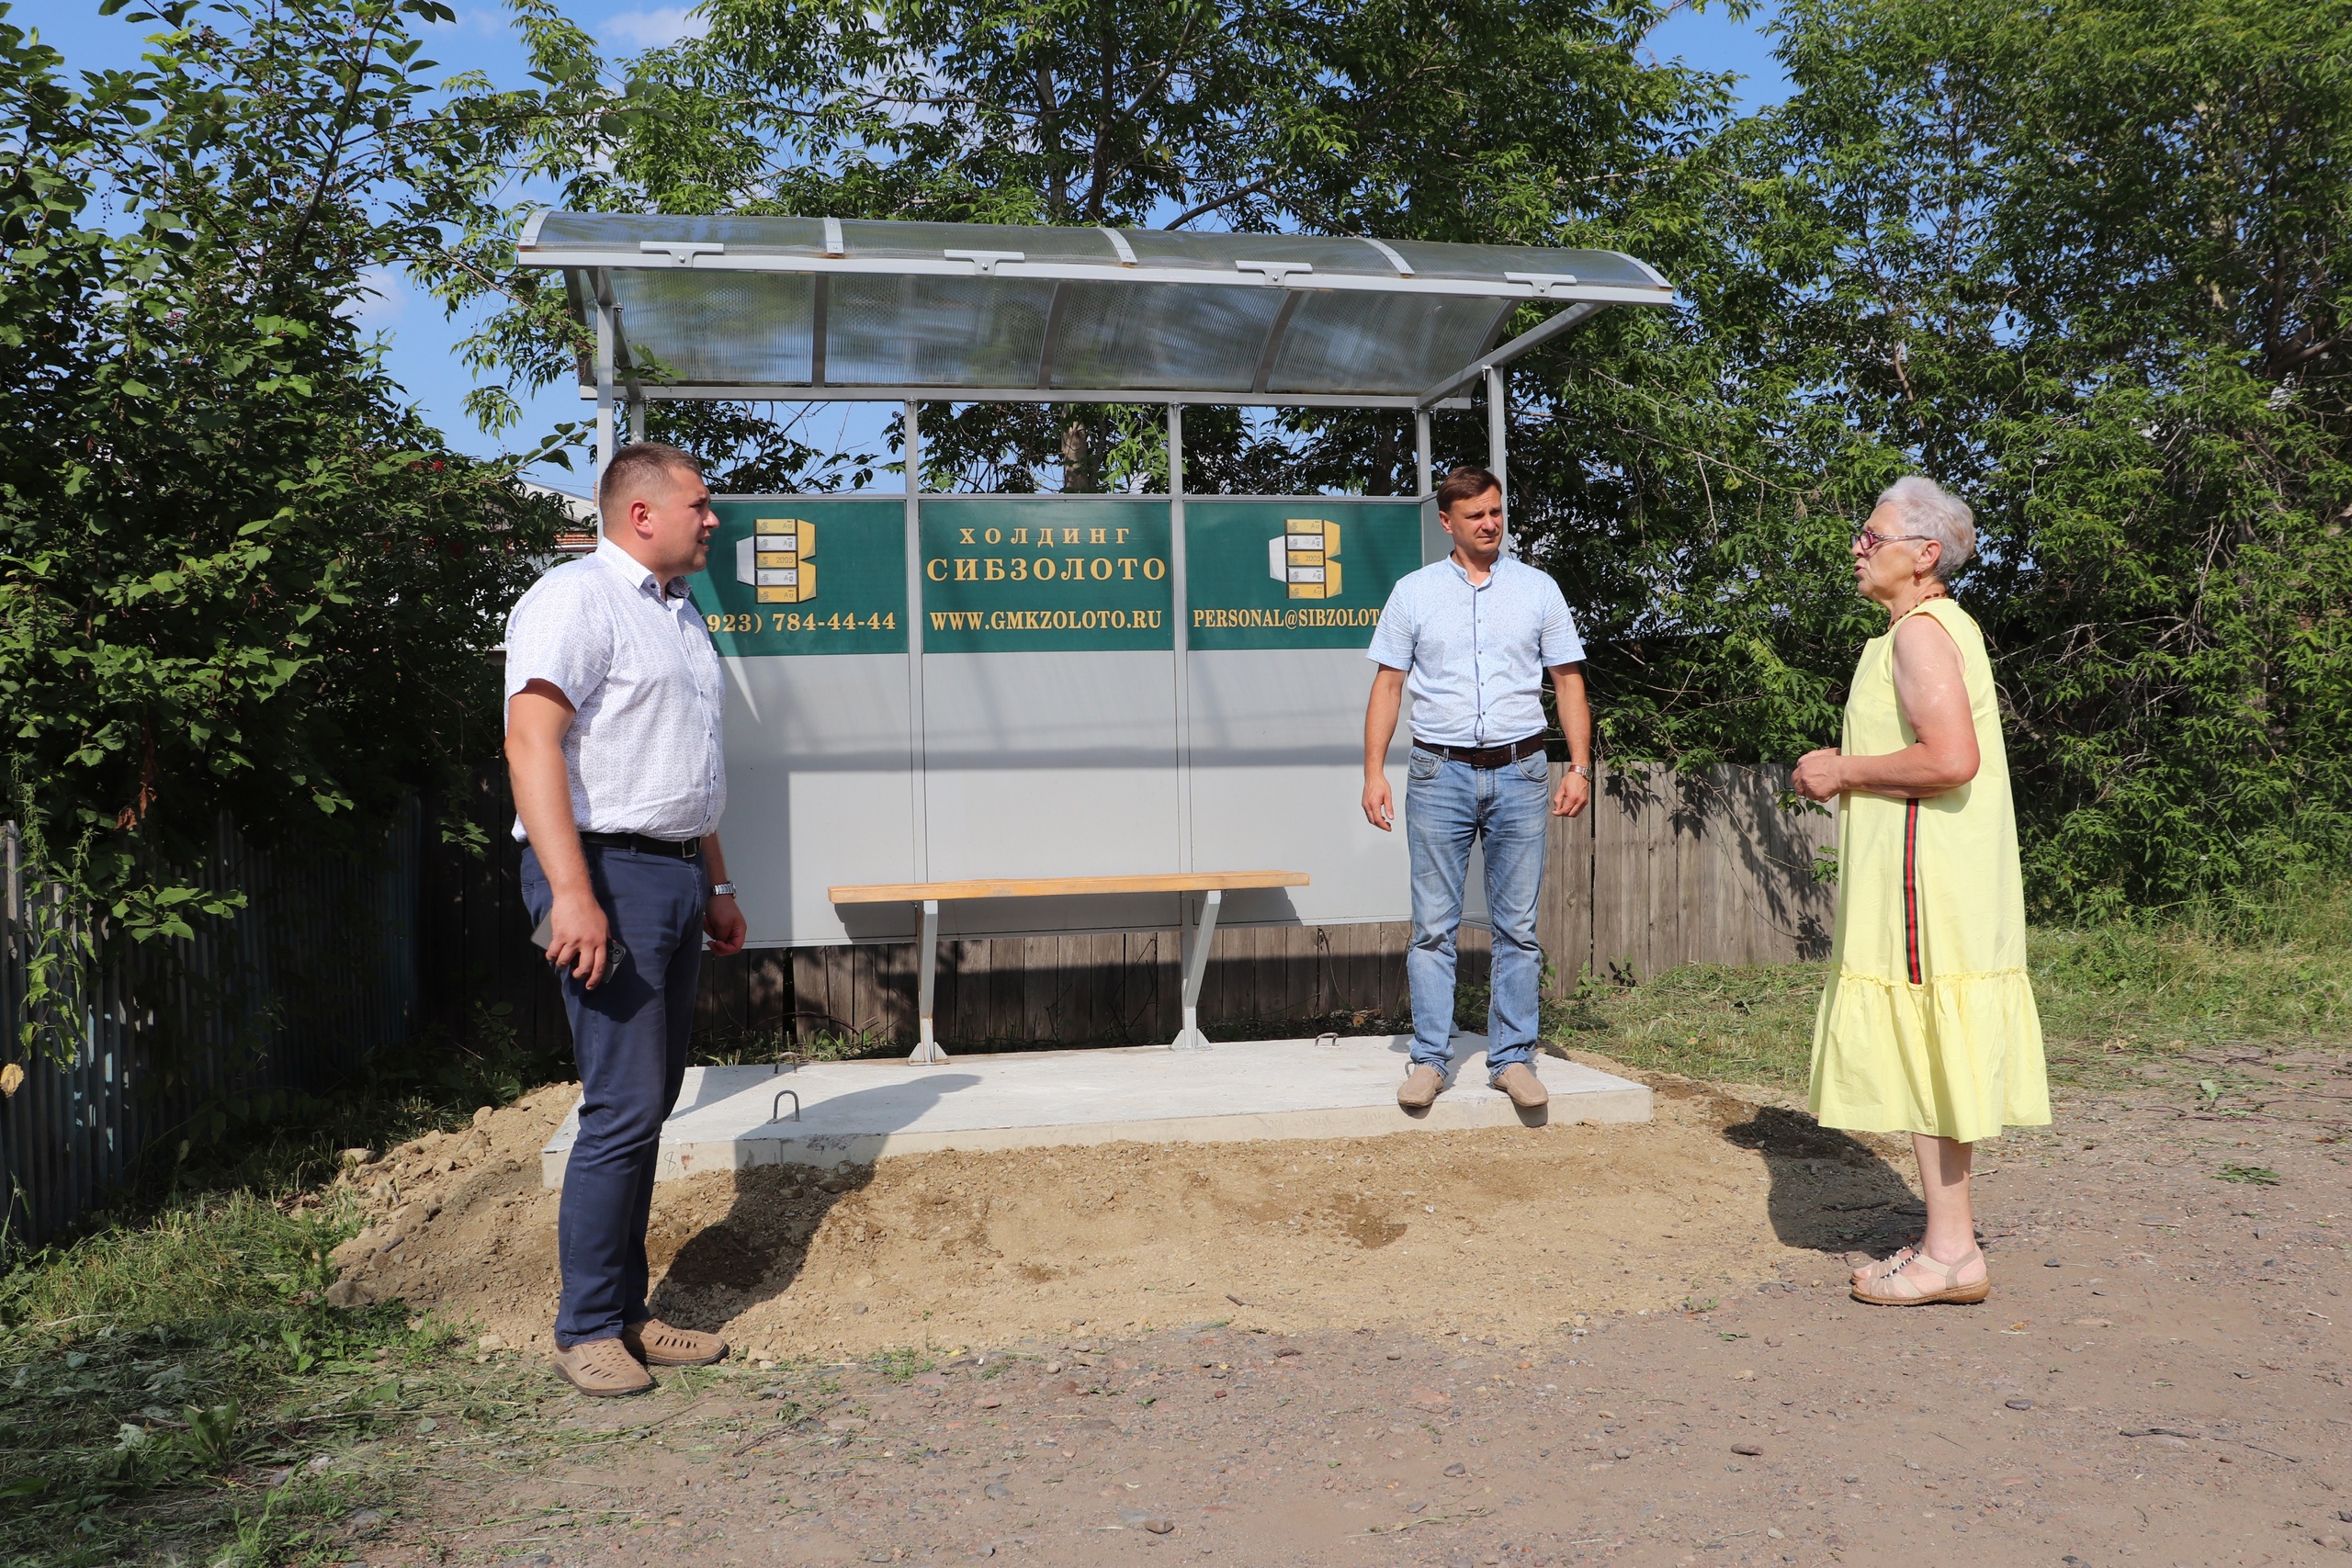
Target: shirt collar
634 572
1463 573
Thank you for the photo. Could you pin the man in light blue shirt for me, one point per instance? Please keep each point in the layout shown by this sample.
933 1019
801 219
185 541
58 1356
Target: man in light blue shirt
1473 637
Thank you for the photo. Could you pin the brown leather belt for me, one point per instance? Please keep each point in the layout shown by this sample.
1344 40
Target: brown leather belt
1488 756
671 849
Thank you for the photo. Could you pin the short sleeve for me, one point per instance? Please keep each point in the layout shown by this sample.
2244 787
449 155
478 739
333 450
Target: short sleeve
559 633
1560 643
1392 639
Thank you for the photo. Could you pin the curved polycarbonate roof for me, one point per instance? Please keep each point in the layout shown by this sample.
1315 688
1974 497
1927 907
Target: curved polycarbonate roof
805 308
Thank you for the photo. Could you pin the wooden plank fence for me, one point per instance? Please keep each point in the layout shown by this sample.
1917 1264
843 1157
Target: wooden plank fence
1664 870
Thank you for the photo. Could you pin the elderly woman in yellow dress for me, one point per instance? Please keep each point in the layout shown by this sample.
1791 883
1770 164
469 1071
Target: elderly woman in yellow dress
1927 1025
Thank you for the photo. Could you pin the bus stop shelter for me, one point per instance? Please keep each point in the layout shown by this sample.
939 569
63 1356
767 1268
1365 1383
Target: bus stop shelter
1104 703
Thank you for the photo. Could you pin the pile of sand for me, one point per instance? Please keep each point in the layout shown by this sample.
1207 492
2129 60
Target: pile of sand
1493 1231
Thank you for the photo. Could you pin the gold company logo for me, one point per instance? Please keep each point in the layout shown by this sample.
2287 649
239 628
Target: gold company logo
774 560
1306 558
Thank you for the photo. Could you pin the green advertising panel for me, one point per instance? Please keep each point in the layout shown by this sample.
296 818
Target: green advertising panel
803 575
1002 573
1306 572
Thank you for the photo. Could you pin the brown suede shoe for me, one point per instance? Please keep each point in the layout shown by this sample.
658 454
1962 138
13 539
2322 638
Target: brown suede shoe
1520 1082
1420 1089
602 1369
657 1343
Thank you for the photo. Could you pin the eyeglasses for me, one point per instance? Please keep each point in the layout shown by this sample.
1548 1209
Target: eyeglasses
1868 540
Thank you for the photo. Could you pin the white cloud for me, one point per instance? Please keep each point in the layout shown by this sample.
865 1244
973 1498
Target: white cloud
380 300
657 28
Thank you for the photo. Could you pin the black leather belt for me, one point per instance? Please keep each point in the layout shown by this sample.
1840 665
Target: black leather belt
1488 756
689 849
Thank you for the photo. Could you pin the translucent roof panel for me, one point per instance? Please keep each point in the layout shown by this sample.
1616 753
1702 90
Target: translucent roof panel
721 328
720 307
935 331
1161 335
1357 343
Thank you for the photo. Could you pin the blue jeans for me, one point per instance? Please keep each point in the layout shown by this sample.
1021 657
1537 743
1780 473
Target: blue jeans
1449 805
629 1036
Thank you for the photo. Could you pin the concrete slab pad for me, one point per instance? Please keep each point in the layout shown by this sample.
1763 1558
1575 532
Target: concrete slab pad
856 1112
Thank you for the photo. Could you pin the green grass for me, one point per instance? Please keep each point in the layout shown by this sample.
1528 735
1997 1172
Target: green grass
2111 998
1708 1021
157 1375
172 1386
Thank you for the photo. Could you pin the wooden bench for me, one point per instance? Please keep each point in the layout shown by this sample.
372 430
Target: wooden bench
1199 931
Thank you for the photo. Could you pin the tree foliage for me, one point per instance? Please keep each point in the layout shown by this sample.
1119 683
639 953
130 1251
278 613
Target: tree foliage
2089 264
2086 262
236 572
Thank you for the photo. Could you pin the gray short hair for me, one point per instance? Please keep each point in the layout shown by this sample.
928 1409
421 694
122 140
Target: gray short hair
1935 513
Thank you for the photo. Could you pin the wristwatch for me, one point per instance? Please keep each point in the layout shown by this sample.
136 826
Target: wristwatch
722 890
1580 769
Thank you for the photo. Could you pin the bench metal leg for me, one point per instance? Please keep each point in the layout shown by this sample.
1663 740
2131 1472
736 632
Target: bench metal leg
1198 934
927 1045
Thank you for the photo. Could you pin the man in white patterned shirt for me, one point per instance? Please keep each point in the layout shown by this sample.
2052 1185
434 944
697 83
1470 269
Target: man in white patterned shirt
614 742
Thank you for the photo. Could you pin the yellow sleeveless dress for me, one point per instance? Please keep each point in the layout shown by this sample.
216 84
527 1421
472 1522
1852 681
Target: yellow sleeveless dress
1929 1025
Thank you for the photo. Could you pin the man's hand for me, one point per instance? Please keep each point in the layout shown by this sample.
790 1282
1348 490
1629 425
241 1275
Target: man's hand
1573 794
1575 727
1818 776
580 938
1380 711
723 922
722 917
578 933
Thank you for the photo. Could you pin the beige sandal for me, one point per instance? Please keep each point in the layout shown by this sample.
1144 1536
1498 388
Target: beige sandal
657 1343
1904 1286
602 1369
1882 1267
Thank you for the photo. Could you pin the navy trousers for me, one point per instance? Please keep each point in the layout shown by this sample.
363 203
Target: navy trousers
629 1036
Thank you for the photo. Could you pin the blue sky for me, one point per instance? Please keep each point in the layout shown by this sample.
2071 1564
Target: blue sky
422 341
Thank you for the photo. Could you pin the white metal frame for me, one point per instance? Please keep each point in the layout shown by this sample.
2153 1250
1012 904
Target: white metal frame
1012 265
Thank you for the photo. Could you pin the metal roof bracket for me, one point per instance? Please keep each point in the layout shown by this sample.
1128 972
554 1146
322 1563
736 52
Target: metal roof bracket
1542 282
986 261
1274 271
682 253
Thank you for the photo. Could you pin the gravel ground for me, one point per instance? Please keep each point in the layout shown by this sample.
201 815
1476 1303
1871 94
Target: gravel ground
2159 1378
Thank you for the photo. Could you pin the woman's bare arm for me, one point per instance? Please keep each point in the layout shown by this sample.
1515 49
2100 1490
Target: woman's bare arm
1933 692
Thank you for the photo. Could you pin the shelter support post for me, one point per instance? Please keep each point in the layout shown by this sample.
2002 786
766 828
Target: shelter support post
1199 931
927 1049
607 325
635 418
1425 483
1179 579
916 757
1498 445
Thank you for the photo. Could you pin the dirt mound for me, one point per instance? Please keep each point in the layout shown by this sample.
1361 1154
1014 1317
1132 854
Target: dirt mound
1494 1231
